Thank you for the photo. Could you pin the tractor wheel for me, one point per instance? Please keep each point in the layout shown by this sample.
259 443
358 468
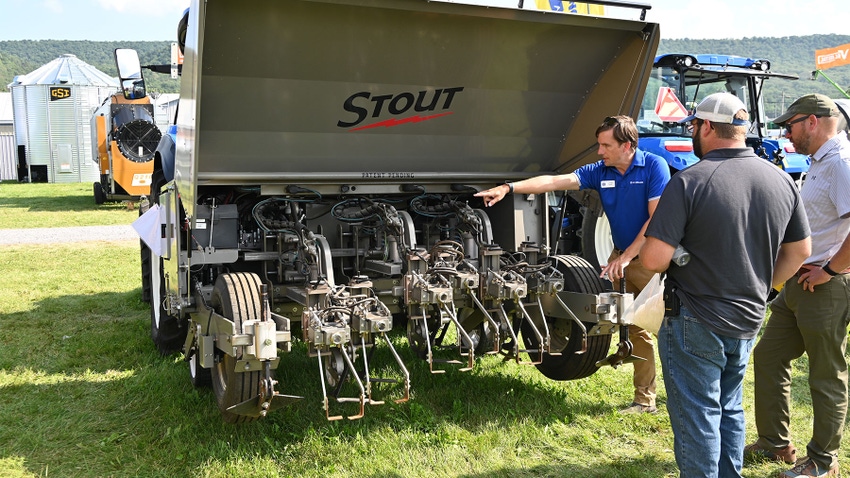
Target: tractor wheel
145 255
596 242
237 297
99 194
579 276
157 181
167 332
200 376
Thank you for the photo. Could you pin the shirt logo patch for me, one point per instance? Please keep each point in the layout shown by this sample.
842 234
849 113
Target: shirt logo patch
607 184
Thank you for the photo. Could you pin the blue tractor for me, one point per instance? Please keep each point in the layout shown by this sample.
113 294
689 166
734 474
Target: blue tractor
680 81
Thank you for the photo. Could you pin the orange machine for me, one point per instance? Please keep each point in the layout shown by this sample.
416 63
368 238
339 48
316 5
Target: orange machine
124 139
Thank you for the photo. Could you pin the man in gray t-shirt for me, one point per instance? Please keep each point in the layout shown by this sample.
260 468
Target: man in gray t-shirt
744 225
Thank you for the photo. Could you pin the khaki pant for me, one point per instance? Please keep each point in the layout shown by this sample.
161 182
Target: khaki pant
637 277
814 323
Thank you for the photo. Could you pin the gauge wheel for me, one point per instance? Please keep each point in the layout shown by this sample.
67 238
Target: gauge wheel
200 376
167 331
596 241
416 337
236 296
579 276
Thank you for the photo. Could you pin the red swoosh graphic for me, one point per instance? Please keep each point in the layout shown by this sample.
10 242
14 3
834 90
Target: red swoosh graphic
395 122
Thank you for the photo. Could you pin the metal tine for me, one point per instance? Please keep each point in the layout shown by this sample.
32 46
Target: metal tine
546 327
366 376
449 308
577 321
505 321
325 391
369 379
362 398
430 355
406 396
542 342
497 340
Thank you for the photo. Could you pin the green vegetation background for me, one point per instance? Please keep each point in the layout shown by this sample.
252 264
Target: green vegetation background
21 57
793 55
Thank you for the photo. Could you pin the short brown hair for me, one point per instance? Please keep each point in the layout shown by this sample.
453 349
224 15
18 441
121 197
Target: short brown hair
730 131
623 128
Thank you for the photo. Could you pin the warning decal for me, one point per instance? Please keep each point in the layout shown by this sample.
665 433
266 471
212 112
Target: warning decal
668 107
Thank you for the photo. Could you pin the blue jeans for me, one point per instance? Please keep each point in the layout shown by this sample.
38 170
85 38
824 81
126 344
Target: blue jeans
704 375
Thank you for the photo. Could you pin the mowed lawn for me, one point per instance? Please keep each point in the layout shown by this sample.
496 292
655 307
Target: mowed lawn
83 393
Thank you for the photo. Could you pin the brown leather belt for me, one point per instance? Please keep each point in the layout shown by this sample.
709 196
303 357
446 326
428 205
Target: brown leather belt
620 253
807 267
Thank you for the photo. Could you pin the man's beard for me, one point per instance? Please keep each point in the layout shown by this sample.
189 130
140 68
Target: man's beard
697 144
802 145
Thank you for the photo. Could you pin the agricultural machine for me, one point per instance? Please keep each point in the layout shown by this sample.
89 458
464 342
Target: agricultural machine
316 193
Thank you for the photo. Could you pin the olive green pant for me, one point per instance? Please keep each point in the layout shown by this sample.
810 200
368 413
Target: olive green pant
814 323
637 277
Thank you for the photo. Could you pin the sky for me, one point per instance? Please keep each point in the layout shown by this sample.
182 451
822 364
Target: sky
156 20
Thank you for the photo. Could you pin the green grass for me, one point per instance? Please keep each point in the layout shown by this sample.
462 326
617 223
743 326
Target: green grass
83 393
24 206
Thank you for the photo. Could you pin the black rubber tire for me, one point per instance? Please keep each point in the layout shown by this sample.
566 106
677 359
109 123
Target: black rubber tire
99 193
237 297
145 257
167 332
157 181
579 276
200 376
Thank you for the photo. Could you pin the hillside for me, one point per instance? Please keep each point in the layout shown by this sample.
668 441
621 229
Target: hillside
791 55
794 55
24 56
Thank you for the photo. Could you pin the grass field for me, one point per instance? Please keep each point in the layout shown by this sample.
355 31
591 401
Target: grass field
25 206
83 393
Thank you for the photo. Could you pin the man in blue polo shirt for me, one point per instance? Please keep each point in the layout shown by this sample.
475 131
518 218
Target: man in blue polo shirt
629 182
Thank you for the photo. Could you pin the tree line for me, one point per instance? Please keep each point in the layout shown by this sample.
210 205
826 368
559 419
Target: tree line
794 55
21 57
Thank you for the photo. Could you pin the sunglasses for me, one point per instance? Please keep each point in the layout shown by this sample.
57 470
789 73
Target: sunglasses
611 121
790 124
693 125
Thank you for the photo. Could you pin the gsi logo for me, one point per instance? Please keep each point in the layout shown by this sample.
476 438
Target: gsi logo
362 103
59 92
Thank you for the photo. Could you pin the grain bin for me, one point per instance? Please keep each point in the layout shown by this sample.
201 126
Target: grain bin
52 109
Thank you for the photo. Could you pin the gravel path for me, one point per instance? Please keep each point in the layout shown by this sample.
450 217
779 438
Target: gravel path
51 235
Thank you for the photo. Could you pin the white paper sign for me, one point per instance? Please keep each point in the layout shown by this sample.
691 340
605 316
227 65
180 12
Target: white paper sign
148 227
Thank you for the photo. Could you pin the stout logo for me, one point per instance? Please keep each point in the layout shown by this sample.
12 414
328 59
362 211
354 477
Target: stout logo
363 105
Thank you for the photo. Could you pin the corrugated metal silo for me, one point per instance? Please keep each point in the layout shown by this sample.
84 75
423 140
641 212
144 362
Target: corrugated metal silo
53 107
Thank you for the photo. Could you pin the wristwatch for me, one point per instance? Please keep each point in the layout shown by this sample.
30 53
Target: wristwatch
828 270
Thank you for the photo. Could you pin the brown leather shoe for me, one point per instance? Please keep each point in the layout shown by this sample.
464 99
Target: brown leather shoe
787 454
638 408
806 467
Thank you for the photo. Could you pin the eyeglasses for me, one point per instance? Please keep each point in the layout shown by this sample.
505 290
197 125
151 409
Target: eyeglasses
611 121
789 124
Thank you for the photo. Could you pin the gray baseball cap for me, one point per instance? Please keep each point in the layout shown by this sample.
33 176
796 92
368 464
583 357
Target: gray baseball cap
719 108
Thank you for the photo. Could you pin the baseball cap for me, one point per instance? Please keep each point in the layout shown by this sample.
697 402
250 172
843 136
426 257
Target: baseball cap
718 108
812 104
